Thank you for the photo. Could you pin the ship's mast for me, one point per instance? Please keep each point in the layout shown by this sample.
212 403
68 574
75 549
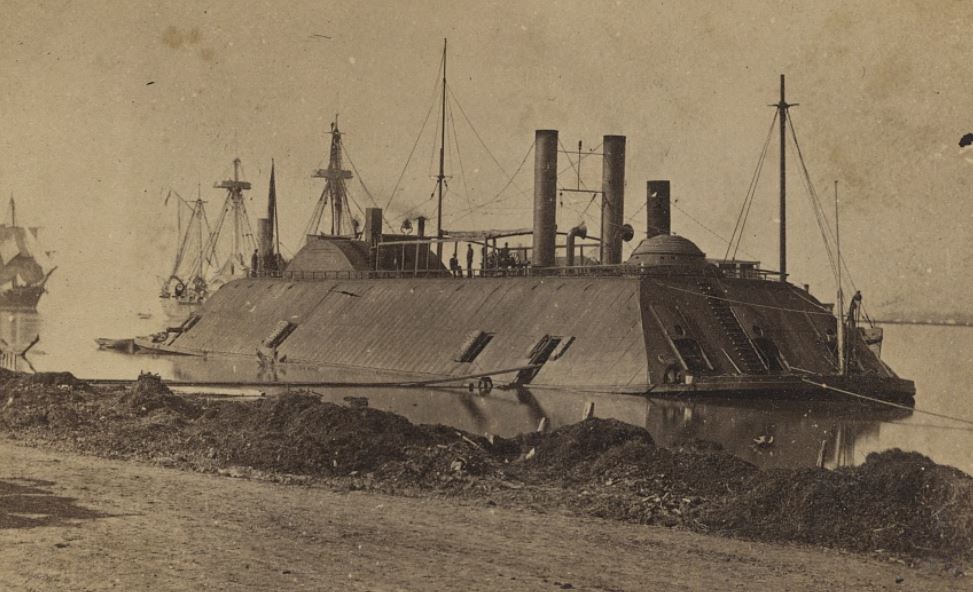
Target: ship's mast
198 216
13 211
841 347
242 234
782 107
334 186
440 179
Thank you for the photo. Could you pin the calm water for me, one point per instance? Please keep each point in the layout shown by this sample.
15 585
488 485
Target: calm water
937 358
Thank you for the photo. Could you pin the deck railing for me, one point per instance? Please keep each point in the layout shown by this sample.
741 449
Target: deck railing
513 271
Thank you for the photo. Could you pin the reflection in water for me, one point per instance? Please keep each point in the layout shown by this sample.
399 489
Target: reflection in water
769 434
19 332
766 433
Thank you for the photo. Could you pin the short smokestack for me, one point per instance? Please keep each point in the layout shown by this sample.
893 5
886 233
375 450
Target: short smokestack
421 227
612 199
657 206
372 233
545 197
265 236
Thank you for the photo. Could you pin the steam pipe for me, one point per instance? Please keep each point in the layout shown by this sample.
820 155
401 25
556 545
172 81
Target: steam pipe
579 230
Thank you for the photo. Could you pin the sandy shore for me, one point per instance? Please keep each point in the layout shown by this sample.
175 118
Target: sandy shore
71 522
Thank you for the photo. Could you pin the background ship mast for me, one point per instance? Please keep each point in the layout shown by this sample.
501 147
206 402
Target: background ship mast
235 207
335 192
441 177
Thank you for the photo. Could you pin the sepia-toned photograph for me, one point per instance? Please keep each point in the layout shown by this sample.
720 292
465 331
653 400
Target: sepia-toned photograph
605 295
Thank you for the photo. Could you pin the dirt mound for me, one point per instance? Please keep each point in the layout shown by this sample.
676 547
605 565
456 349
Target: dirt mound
40 400
580 443
896 501
149 395
299 433
606 450
48 379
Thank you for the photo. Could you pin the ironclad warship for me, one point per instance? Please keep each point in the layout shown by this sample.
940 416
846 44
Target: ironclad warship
666 321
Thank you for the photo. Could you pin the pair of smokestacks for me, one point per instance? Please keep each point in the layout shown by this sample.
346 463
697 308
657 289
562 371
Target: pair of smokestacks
613 228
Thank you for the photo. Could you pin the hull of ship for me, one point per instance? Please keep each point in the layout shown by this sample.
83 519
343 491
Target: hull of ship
21 299
615 334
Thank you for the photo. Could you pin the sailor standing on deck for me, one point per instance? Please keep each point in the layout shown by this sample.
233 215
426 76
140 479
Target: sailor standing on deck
469 260
254 262
454 265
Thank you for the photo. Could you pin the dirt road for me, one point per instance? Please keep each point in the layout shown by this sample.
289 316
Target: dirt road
70 522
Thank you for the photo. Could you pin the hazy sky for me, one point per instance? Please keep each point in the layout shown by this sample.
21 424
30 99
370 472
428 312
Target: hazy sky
89 147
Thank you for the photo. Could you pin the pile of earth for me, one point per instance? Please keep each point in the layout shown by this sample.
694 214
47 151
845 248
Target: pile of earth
896 501
900 502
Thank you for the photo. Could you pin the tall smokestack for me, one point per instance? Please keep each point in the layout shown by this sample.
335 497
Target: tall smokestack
612 199
657 208
545 197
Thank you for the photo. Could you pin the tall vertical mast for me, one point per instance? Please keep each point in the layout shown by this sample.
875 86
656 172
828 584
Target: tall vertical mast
198 217
842 348
235 206
334 186
442 163
782 107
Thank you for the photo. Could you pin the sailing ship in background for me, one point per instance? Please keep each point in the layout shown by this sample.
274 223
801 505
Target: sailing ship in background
24 265
204 261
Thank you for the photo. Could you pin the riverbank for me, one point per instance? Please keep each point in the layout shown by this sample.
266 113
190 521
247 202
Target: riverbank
897 504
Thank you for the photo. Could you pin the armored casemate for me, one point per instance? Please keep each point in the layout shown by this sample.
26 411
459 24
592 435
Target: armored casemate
667 320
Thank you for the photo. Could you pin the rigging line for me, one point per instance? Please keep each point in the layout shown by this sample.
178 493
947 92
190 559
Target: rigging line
707 228
889 403
511 179
314 222
409 159
358 207
459 157
361 181
844 265
816 207
475 132
588 207
753 194
641 207
422 204
753 191
567 154
418 137
431 168
733 301
750 189
181 198
571 165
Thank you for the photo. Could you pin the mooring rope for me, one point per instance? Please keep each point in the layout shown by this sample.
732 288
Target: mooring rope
318 383
889 403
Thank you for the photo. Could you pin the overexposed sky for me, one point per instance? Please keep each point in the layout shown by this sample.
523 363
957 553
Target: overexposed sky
89 147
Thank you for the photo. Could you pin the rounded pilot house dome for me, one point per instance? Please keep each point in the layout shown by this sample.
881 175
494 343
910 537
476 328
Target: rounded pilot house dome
667 249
